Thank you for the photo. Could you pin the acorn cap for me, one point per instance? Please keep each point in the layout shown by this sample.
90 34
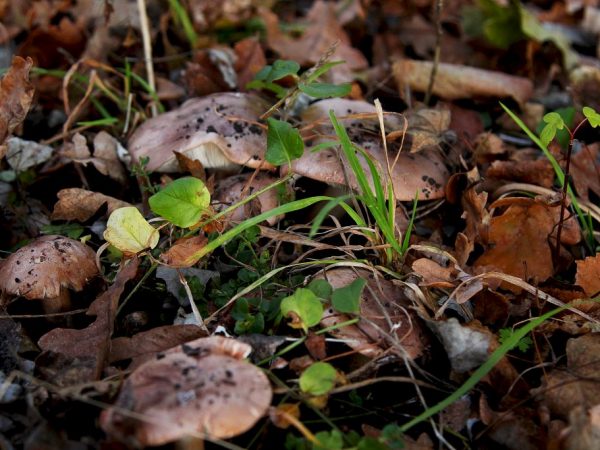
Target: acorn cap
42 268
421 173
220 130
200 388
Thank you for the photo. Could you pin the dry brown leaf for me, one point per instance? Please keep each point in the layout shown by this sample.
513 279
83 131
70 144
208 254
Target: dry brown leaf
454 82
144 346
433 274
105 158
585 171
588 275
539 172
381 301
323 30
81 204
250 59
182 252
92 341
563 390
518 241
16 93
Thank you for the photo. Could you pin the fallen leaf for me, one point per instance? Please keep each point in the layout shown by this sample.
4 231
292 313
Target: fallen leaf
518 240
564 390
16 93
323 30
380 299
585 170
143 346
588 275
128 231
433 274
92 341
539 172
21 154
250 59
454 82
183 252
80 204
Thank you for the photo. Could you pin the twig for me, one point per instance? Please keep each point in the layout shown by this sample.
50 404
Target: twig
438 43
195 310
145 26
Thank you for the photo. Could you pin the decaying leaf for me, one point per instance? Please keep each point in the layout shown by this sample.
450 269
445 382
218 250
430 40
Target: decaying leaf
382 305
588 275
92 341
21 154
81 204
519 239
16 93
182 252
455 82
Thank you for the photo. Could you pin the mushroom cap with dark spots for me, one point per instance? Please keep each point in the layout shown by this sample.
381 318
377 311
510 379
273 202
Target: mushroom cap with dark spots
203 393
331 167
42 268
220 130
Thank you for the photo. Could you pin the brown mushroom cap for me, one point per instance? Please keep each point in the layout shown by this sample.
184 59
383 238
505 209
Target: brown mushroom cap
202 387
422 173
219 130
231 190
44 267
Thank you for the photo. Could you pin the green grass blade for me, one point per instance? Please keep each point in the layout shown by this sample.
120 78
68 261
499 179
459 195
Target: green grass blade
483 370
411 223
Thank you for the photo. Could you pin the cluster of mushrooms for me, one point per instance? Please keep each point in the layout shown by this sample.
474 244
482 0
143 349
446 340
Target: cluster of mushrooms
205 388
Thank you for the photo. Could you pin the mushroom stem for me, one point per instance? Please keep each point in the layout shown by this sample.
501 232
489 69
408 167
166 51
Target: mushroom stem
190 443
58 304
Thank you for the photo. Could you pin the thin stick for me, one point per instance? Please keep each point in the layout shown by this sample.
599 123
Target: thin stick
195 310
145 26
438 44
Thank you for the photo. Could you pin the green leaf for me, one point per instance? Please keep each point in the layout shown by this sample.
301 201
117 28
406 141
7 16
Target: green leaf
592 116
325 90
321 70
329 440
321 288
128 231
182 202
275 88
284 142
553 122
318 379
280 69
304 307
347 298
370 443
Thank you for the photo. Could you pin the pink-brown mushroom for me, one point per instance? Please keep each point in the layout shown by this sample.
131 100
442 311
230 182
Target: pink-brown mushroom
47 269
220 130
201 389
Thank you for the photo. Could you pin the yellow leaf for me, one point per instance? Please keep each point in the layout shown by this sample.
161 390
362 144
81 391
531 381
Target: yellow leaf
128 231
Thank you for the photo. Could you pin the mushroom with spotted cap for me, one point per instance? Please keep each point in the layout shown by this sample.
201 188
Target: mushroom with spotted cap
201 389
46 269
220 130
422 173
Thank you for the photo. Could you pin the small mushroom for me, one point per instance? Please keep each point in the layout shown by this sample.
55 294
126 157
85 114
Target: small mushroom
220 130
46 269
202 388
235 188
422 173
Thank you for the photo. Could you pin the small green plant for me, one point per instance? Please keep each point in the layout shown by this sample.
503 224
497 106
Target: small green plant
524 343
554 123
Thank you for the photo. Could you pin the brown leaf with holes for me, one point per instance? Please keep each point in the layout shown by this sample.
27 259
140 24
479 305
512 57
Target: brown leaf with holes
588 275
16 93
182 253
80 204
518 241
92 341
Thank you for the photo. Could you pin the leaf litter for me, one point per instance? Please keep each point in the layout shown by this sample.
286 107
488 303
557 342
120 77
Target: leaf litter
346 299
